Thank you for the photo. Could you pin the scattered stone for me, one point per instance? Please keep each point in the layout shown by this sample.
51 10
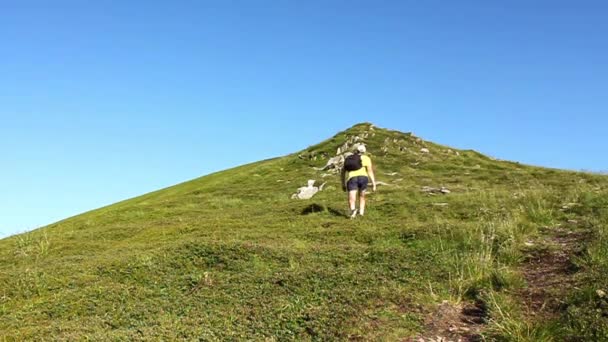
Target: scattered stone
572 221
601 293
425 150
306 192
415 164
440 204
528 244
332 164
477 166
391 173
570 206
431 190
457 153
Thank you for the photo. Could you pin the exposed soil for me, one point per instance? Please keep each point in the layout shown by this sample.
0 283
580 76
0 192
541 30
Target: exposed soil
454 323
550 272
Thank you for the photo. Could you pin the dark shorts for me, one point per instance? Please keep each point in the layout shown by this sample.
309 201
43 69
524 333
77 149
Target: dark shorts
357 183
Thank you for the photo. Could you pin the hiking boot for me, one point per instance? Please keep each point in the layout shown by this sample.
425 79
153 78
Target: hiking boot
353 213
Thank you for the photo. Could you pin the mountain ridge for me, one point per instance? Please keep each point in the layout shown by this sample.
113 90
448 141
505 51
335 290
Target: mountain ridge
231 256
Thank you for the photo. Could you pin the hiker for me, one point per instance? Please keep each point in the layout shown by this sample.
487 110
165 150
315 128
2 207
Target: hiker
356 173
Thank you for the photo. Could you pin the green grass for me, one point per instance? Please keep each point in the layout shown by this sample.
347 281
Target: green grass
230 256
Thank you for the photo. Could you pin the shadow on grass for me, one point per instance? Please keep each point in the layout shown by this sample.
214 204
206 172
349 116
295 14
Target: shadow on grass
317 208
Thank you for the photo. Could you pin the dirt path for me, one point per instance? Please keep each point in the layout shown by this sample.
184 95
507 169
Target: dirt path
549 273
454 323
549 270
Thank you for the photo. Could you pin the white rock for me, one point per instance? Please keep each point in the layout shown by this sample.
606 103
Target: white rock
431 190
306 192
333 163
425 150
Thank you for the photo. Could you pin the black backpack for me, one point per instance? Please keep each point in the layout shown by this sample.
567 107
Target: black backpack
353 162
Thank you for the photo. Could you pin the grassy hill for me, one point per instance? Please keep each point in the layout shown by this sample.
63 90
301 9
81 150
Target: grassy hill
513 252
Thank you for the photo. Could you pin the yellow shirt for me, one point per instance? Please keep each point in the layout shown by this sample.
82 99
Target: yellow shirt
366 162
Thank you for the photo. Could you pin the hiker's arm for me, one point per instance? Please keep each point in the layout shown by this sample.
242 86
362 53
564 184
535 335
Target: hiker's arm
343 178
370 173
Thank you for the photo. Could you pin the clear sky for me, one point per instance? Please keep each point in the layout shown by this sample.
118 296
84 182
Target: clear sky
105 100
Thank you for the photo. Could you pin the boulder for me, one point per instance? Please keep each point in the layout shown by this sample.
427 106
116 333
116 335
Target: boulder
306 192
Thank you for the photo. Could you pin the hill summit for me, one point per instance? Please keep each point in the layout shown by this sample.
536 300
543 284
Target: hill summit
454 245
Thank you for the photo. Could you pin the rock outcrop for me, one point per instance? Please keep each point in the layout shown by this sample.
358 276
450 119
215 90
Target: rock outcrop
307 192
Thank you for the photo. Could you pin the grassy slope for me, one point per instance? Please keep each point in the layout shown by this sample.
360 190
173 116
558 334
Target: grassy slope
231 256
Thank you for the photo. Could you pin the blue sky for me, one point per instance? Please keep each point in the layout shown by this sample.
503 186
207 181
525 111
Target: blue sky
102 101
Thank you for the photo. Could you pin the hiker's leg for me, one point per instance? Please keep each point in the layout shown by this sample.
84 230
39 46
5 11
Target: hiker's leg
362 203
352 198
362 182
